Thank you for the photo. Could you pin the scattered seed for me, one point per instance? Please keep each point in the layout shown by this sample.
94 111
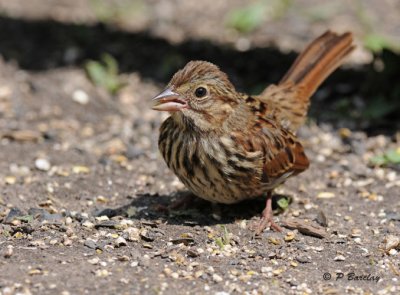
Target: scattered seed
325 195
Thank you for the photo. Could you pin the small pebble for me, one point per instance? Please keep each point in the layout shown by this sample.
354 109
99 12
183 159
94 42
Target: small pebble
290 236
80 97
120 241
88 224
90 244
102 273
94 260
391 242
9 251
340 258
217 278
42 164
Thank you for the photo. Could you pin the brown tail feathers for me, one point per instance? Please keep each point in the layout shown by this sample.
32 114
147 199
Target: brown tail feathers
324 55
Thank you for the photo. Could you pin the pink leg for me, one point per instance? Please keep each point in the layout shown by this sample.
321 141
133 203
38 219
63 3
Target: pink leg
267 217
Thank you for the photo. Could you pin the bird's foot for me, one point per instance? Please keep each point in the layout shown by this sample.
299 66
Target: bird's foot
267 218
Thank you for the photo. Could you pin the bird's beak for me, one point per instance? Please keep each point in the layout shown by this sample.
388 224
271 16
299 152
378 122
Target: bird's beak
169 101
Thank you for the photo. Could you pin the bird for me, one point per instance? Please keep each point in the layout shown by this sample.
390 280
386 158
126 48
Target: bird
226 146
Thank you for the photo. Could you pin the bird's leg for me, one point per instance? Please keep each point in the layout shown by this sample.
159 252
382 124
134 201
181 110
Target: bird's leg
267 217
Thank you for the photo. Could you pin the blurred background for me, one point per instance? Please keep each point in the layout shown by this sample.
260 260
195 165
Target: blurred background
254 41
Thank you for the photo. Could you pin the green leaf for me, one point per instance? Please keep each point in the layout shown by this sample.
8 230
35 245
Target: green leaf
376 43
389 157
105 73
393 156
378 160
25 218
283 203
378 107
219 242
248 18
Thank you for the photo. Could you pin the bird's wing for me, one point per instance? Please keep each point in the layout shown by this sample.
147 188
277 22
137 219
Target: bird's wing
283 154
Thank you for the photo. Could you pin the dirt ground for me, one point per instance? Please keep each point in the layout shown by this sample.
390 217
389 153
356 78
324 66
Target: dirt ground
83 189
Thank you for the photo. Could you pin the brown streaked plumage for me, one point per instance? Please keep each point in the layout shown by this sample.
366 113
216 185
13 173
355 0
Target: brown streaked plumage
226 146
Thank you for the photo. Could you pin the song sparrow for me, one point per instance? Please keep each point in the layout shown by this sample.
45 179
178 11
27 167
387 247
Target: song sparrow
227 146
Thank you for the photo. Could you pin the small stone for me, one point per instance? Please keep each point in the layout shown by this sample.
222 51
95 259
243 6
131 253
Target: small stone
132 234
123 258
266 269
217 278
174 275
274 241
80 97
278 271
120 241
192 253
68 220
147 235
42 164
393 252
10 180
94 260
9 251
53 242
290 236
102 199
67 242
340 258
69 232
391 242
13 215
80 170
35 271
88 224
198 274
90 244
200 250
102 218
344 132
102 273
167 271
303 259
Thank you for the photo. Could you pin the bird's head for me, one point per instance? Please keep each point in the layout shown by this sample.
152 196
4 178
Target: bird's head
199 95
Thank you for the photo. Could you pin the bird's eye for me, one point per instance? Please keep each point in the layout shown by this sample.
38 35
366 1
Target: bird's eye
200 92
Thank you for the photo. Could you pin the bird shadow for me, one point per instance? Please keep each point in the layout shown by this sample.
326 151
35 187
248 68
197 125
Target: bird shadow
152 207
